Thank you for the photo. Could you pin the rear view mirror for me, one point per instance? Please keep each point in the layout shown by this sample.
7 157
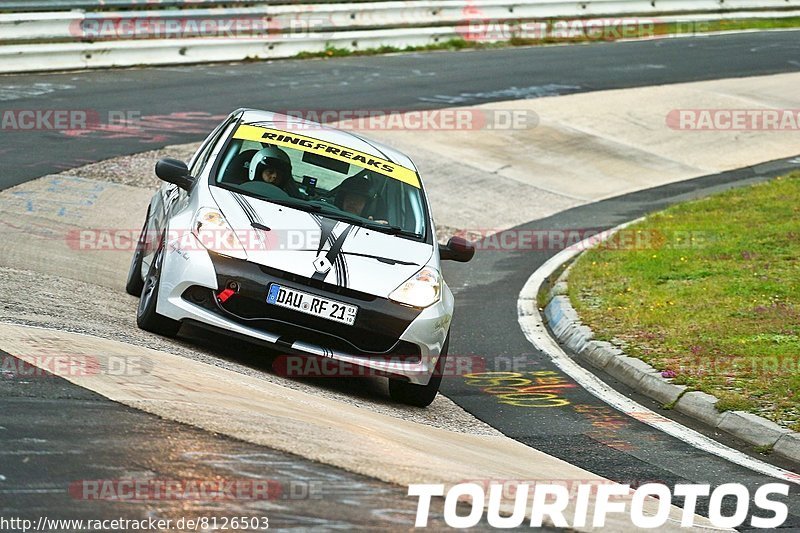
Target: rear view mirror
174 171
457 249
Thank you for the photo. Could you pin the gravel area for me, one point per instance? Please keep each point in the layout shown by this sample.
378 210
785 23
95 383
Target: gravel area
136 170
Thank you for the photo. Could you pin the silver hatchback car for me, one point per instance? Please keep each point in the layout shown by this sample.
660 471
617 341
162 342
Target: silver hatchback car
308 238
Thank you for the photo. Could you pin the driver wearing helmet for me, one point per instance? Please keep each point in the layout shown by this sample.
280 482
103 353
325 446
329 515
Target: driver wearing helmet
352 195
273 166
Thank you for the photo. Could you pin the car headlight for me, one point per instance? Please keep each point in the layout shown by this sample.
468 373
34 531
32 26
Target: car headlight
423 289
214 232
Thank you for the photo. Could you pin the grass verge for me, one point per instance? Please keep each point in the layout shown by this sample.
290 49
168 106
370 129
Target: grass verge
450 44
708 292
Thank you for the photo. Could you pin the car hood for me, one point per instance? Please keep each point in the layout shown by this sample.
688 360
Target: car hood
288 239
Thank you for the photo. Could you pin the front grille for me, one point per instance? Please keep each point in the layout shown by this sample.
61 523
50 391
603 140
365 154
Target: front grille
293 326
378 326
318 284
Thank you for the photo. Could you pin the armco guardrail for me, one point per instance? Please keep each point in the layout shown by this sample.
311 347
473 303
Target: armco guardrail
7 6
34 41
272 20
20 6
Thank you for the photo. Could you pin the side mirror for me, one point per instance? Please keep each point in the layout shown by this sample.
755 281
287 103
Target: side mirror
457 249
174 171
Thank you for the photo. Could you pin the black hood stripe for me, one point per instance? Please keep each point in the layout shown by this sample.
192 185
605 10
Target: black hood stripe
326 226
251 214
345 270
341 272
244 206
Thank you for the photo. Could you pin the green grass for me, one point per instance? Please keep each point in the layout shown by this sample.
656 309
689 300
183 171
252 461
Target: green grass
451 44
728 25
710 292
764 449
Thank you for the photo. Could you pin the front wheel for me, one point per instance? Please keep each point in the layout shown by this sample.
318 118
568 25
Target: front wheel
420 395
146 316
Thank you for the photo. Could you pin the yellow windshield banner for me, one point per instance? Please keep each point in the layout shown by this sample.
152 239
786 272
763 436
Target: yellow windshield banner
327 149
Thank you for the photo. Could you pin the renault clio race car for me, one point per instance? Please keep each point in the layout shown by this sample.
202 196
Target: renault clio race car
301 236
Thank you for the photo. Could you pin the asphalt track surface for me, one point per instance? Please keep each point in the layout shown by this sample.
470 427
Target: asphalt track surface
582 430
56 435
181 104
66 454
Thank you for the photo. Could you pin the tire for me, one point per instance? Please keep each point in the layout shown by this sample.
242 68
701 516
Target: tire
420 395
146 316
135 283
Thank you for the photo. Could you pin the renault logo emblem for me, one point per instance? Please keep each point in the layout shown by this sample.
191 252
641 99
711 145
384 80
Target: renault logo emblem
321 264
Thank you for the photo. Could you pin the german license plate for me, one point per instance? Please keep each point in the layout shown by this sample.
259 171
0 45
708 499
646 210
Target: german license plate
312 304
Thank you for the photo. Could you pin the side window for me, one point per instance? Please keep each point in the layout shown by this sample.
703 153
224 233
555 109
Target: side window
201 157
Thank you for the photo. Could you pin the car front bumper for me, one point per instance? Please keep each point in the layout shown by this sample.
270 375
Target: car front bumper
387 337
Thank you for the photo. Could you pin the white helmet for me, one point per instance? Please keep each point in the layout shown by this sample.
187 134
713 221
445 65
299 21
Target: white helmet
272 157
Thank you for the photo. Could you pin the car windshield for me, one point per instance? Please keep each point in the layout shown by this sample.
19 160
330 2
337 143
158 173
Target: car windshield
335 181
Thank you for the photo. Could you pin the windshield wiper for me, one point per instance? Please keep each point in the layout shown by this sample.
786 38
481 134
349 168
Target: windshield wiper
350 219
299 204
391 230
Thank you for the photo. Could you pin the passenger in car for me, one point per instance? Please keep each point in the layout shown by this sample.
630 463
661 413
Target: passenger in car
353 195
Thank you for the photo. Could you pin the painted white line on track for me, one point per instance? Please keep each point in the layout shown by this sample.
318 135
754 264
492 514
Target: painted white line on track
534 329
